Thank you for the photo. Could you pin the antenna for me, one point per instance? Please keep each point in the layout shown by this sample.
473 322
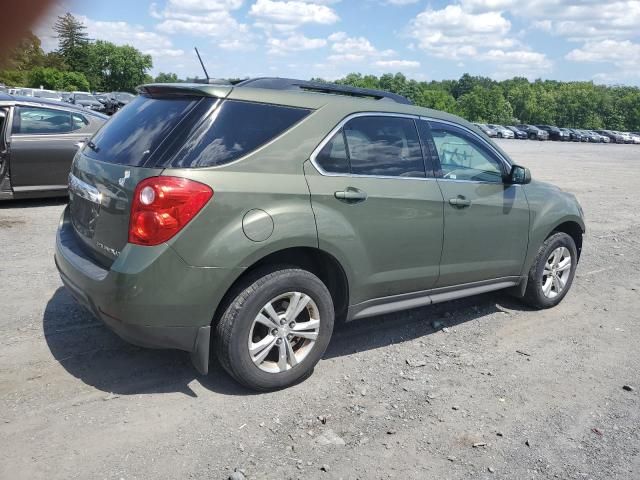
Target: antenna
201 63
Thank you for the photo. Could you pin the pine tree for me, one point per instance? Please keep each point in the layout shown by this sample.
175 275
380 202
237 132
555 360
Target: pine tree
72 41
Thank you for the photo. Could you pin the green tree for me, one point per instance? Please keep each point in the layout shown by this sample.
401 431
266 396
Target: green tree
166 78
72 41
116 68
53 79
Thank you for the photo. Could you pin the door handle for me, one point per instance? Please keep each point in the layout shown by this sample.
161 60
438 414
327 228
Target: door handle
351 195
460 202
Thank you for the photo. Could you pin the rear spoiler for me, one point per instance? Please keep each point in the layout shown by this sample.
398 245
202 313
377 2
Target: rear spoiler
185 89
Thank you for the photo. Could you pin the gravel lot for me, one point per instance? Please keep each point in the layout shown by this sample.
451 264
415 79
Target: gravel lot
501 392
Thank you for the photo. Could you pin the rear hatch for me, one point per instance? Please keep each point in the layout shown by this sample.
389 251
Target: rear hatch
133 145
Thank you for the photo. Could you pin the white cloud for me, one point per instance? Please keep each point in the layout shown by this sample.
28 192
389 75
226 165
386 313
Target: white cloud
123 33
453 32
623 55
205 18
289 15
397 64
401 3
294 43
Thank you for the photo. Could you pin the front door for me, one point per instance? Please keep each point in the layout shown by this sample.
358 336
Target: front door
486 221
43 144
378 210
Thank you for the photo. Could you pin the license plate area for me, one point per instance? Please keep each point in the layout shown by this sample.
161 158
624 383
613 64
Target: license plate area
84 206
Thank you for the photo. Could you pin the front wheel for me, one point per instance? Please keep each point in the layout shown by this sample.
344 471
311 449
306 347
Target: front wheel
552 272
276 329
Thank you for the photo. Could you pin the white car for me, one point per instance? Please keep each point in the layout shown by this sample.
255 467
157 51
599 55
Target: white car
50 94
635 138
503 132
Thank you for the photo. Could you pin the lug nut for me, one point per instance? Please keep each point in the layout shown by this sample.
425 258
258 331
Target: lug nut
279 341
292 324
283 321
274 332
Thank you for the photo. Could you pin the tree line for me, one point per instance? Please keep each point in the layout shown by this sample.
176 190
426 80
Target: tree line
79 63
517 100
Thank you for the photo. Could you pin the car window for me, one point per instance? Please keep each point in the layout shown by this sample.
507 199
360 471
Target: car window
463 157
384 146
36 120
333 156
79 121
235 129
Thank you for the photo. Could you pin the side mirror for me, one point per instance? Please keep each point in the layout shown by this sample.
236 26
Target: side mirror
519 175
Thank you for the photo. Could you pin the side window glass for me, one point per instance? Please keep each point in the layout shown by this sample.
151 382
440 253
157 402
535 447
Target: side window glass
462 157
384 146
78 121
37 120
333 156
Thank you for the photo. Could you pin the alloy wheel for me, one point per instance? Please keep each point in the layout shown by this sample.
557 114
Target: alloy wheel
284 332
557 270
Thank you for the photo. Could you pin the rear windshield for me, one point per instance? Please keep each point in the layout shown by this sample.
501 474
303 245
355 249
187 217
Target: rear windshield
135 132
188 131
233 130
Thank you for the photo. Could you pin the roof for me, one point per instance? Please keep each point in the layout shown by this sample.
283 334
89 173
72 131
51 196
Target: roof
12 99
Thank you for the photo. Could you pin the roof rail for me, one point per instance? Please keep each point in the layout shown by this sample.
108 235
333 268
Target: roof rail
276 83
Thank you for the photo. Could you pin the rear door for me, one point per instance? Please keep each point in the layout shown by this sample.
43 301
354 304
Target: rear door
486 221
43 143
378 209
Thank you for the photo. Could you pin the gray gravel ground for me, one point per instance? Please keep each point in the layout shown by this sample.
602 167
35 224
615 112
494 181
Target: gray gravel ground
502 392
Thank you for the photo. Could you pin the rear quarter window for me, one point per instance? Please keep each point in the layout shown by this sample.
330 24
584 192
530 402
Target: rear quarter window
233 130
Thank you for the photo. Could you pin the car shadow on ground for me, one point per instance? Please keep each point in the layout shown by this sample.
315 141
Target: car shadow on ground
33 203
92 353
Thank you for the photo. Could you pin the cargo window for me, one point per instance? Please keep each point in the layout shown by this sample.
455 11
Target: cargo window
35 120
133 134
234 129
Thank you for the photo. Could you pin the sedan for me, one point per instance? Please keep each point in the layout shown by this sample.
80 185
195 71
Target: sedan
490 132
613 136
86 100
44 136
502 131
519 134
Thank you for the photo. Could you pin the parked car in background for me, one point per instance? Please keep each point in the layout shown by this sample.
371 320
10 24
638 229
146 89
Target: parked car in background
613 137
574 134
86 100
626 137
554 133
533 132
635 139
346 236
50 94
117 100
519 134
26 92
593 137
65 96
38 139
488 131
502 131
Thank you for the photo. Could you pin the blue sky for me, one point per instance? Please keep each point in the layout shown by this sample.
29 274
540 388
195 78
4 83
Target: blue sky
426 40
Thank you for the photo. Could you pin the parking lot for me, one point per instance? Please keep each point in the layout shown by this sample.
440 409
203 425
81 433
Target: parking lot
477 388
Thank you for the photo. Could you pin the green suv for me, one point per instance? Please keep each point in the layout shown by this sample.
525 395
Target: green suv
248 219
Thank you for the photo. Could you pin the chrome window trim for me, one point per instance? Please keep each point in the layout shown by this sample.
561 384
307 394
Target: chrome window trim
341 124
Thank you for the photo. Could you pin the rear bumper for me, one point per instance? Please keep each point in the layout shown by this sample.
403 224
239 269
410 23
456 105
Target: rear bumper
149 296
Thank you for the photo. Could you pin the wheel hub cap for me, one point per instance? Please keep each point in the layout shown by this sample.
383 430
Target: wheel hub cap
284 332
556 272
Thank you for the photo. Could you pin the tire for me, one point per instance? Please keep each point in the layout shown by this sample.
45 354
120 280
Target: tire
240 321
538 281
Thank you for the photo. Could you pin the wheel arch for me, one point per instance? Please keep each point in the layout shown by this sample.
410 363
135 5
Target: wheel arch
319 262
574 230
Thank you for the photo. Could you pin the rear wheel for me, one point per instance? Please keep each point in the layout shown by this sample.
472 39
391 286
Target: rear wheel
276 329
552 272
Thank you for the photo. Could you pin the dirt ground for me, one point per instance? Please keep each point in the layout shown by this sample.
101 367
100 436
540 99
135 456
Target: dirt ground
478 388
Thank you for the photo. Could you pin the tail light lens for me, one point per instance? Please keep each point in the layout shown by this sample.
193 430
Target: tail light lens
162 206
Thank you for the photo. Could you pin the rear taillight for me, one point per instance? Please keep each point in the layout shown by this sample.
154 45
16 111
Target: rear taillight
162 206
